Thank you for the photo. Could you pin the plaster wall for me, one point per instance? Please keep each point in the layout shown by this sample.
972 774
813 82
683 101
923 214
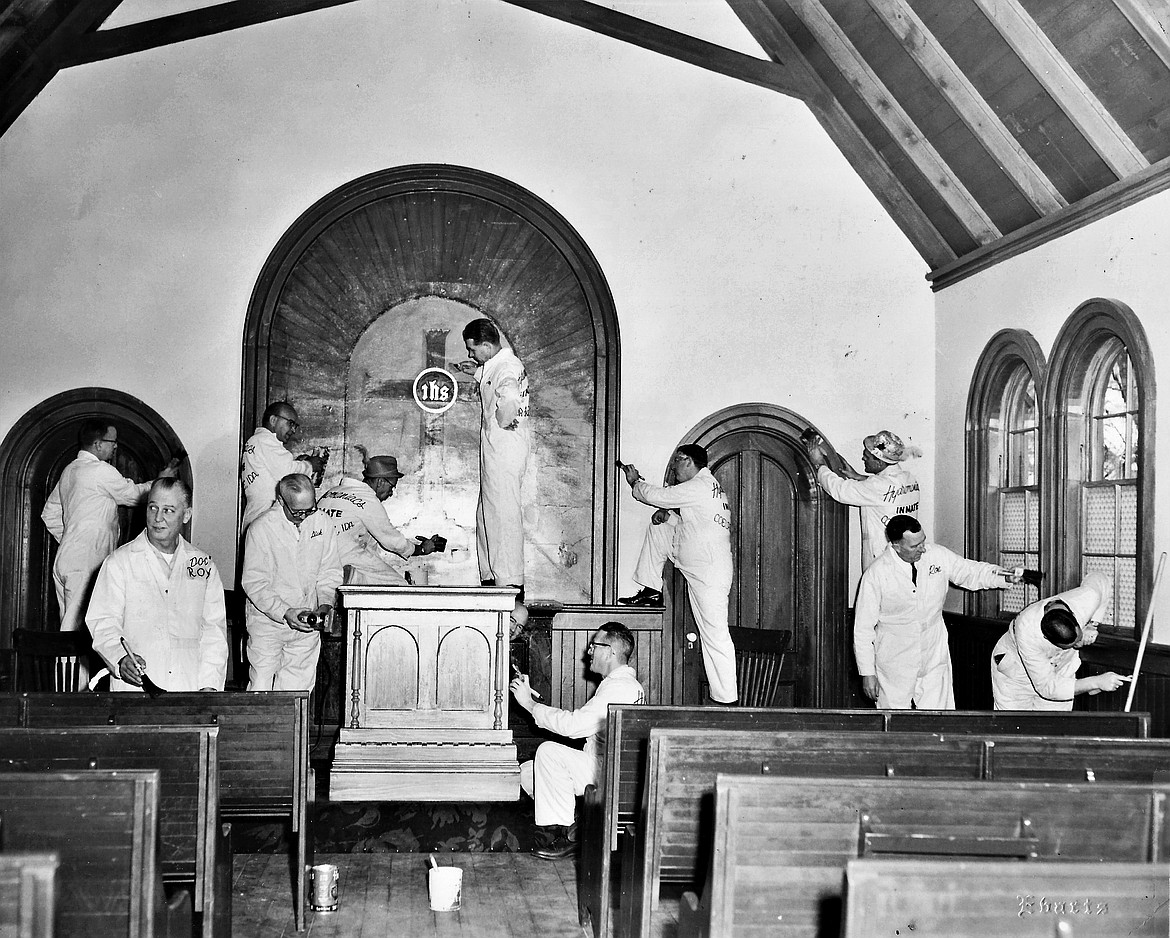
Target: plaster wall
1126 257
139 198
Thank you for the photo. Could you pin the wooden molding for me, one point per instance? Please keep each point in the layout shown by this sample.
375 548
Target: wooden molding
897 122
975 112
773 75
865 160
1054 72
1152 22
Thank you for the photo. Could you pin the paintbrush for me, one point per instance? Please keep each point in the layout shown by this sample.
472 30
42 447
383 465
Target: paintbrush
151 688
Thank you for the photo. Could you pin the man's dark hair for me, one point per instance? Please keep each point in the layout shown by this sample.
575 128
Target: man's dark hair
898 525
170 485
621 637
695 453
92 430
480 331
275 409
1059 626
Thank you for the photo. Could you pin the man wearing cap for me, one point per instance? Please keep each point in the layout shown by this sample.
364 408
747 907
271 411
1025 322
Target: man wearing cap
503 454
1034 664
291 573
82 515
265 460
889 489
356 509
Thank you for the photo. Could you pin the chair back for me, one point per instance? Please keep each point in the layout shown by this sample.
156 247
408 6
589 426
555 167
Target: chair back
50 662
759 662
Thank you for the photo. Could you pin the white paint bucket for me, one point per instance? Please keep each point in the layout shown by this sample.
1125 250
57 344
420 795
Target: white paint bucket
445 884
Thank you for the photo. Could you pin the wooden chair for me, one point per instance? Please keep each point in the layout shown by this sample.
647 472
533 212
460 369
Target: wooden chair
759 663
48 662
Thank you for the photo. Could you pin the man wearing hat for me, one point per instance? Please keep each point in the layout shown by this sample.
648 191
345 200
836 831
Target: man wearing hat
360 522
887 491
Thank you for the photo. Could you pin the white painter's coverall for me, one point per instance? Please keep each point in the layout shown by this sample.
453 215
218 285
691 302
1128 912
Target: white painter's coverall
265 462
898 630
82 514
559 773
697 541
503 452
893 491
286 567
171 615
360 523
1028 672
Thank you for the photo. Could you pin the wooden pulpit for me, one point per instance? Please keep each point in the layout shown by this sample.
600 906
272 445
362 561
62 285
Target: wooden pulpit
425 712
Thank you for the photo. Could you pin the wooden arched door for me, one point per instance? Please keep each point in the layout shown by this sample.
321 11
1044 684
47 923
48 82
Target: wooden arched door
789 544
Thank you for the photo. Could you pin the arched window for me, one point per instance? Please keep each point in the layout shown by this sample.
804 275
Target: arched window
1003 466
1100 388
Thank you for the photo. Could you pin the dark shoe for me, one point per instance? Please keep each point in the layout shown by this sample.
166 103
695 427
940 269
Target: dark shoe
644 597
519 595
560 848
546 835
571 833
487 582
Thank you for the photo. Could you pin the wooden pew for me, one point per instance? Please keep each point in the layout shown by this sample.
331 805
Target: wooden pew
781 844
1047 759
956 899
28 885
670 843
263 749
613 806
103 825
194 850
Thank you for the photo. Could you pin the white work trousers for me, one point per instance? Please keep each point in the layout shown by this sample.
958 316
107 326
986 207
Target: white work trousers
554 779
74 588
499 517
281 658
913 664
708 593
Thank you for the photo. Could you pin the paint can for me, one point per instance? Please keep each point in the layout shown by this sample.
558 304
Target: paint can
323 888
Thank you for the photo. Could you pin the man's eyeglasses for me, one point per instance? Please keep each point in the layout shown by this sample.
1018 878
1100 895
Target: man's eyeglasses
292 423
104 440
593 645
300 513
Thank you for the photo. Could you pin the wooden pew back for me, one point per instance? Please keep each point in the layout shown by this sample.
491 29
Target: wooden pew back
1021 722
28 886
1047 759
801 832
1008 900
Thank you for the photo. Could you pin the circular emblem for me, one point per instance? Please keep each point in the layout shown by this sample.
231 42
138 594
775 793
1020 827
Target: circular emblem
435 390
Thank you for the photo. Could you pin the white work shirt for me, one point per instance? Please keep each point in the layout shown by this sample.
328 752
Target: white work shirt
506 408
286 567
265 462
1032 673
588 721
82 511
172 615
359 518
702 546
893 491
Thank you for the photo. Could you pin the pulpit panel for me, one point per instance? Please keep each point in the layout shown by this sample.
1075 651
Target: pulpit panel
392 669
463 666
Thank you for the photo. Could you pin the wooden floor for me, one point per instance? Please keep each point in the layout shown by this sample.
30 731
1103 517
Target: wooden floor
385 895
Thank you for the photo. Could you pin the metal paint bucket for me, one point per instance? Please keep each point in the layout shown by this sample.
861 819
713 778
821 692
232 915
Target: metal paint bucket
323 888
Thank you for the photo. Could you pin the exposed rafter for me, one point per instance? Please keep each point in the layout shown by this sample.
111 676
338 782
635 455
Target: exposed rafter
1055 73
865 160
1151 18
900 126
775 75
975 112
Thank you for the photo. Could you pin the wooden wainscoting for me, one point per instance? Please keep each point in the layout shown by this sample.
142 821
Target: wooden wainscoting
571 629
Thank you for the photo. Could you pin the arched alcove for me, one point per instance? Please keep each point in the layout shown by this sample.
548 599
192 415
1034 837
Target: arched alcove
399 261
32 456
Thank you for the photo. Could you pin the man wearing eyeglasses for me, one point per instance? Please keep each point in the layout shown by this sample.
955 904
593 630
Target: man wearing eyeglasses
560 773
291 573
82 515
266 459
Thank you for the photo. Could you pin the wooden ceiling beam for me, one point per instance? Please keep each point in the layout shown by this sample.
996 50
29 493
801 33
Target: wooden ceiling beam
773 75
893 117
1152 22
180 27
860 154
1061 81
950 82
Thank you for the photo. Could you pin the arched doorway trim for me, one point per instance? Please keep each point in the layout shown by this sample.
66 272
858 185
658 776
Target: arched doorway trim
28 456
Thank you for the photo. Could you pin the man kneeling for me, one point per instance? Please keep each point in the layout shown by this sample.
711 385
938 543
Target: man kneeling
560 773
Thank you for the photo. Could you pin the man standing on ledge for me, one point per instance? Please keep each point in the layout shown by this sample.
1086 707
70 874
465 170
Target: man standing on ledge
265 460
1034 664
696 537
503 454
165 599
559 773
898 633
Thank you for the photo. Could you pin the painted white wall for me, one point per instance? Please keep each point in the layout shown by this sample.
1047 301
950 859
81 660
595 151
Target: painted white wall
1125 257
139 198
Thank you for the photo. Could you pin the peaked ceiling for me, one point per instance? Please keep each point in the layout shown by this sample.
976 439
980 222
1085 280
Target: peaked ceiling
984 127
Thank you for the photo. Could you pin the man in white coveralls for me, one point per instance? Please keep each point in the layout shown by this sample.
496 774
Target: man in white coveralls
265 460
